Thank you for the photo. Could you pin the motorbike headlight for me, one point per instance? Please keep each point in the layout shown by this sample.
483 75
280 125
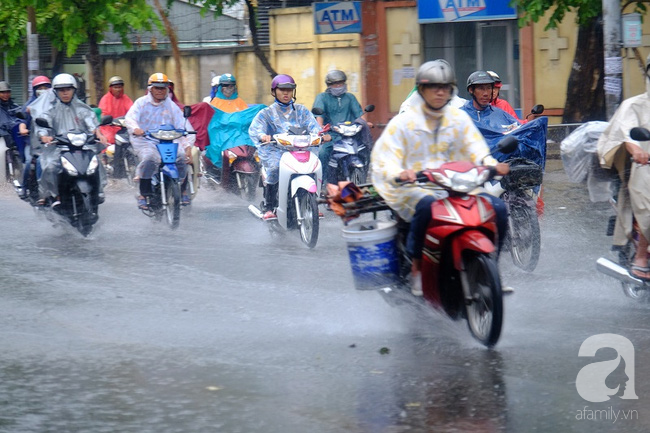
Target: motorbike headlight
231 156
67 165
466 182
166 135
92 165
77 139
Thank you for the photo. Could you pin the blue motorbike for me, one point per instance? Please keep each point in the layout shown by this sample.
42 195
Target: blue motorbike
166 182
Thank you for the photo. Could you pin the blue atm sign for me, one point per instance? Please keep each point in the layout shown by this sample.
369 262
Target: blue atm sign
440 11
340 17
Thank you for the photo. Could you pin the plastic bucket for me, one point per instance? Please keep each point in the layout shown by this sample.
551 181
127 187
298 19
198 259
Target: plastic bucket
373 253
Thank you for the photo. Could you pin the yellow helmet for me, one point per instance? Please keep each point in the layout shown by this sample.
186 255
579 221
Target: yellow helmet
159 80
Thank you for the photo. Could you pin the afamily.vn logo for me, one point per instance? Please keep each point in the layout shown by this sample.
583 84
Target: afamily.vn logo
595 381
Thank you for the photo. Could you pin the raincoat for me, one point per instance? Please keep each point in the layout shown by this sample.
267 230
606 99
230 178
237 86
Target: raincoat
420 138
228 130
633 197
415 98
116 107
74 116
229 105
147 115
276 119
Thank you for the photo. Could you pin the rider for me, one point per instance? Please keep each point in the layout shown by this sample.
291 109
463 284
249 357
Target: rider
614 149
277 118
115 103
425 136
214 83
66 113
226 98
8 119
480 86
338 106
147 113
500 102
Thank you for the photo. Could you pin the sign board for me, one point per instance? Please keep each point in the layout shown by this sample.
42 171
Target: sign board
632 30
337 17
442 11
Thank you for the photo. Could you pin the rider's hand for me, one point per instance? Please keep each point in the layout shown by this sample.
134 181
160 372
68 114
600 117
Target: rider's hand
22 129
370 124
502 168
407 176
138 131
639 155
327 138
265 138
46 139
188 154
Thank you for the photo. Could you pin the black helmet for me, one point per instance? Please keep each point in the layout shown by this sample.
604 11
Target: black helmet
335 76
436 72
479 77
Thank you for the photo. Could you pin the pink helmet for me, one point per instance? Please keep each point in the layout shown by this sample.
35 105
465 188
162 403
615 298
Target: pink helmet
283 81
40 80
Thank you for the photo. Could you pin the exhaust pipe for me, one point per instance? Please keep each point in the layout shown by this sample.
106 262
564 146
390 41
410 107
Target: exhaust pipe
617 271
255 211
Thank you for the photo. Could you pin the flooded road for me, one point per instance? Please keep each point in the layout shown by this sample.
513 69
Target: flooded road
219 327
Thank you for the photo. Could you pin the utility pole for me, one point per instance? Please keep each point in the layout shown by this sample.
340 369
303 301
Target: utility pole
33 66
613 62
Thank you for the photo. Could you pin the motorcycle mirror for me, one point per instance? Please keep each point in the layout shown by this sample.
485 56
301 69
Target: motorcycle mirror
369 108
106 120
537 109
187 111
42 122
317 111
508 145
640 134
21 115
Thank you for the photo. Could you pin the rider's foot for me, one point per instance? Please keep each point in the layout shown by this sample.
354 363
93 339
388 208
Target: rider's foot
185 200
142 203
56 203
415 281
507 290
101 198
269 215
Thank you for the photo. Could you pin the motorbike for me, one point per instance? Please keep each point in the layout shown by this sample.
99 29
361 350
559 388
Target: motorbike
299 185
633 287
459 265
166 183
351 153
519 190
239 173
11 145
79 180
121 159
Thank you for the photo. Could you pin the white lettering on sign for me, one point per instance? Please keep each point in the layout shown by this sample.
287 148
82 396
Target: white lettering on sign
454 9
338 16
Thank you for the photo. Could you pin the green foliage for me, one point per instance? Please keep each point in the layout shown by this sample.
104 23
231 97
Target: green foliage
586 10
68 24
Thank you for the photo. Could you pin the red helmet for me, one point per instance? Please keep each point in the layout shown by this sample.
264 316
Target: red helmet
40 80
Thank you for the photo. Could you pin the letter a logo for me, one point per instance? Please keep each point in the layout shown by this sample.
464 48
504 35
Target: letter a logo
590 382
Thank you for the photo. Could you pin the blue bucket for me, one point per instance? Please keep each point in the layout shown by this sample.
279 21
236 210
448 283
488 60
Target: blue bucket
372 247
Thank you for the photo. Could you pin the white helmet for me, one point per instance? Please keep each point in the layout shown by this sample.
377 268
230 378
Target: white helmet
215 81
64 80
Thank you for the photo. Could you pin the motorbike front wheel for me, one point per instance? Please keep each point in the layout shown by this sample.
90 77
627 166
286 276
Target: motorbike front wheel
14 166
357 176
309 212
485 306
249 185
173 208
524 236
632 291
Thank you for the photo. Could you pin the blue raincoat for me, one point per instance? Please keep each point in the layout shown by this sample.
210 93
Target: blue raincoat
227 130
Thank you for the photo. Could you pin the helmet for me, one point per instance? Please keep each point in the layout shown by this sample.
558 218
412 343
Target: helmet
115 80
40 80
227 79
436 72
158 80
479 77
335 76
283 81
496 78
215 81
64 80
4 86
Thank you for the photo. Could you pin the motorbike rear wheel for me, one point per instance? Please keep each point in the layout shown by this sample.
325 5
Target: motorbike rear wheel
632 291
309 224
173 208
524 236
14 166
485 307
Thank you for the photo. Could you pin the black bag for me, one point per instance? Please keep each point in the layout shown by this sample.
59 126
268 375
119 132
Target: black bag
524 174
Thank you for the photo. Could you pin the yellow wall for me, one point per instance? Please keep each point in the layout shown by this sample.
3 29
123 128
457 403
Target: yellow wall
402 25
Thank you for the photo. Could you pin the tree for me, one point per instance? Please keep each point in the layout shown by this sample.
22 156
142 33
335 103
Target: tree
216 7
70 23
585 94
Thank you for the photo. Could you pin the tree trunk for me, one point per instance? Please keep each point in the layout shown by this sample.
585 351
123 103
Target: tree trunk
96 67
176 52
585 99
252 25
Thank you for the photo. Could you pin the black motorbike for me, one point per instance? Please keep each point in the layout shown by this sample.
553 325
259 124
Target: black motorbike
79 180
351 153
123 162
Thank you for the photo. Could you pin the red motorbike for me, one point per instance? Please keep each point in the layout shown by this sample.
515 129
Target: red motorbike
239 173
459 262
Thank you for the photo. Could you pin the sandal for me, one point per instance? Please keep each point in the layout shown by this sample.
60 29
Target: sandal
142 203
636 269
